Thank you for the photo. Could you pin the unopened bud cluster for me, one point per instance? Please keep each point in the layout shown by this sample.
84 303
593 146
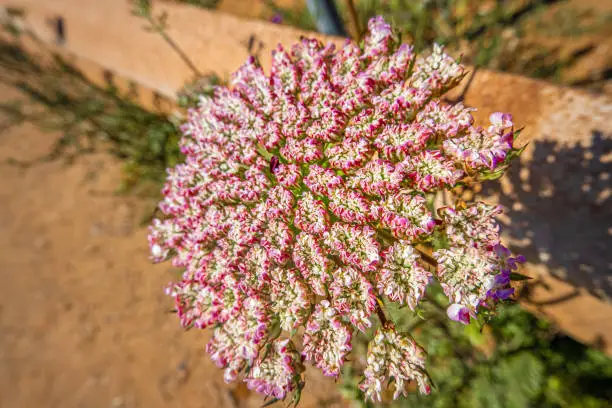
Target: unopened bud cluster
303 198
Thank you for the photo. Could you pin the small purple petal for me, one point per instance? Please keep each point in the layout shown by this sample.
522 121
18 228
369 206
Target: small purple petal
458 313
504 294
274 162
501 119
502 251
502 279
277 18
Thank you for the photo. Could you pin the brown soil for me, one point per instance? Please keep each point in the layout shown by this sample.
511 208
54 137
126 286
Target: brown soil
84 321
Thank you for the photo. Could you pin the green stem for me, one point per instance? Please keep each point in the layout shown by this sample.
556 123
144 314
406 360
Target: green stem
381 314
162 32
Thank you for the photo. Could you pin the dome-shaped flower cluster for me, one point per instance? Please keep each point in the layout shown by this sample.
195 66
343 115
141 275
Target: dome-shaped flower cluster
302 201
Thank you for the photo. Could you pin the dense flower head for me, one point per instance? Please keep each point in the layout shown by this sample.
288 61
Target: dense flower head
474 224
401 278
327 339
304 198
475 271
277 371
290 297
394 356
406 216
353 296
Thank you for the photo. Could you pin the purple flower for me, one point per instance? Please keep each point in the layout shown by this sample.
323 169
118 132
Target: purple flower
458 313
277 18
503 294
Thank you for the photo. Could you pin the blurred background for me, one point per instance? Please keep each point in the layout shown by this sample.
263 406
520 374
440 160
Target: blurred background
91 97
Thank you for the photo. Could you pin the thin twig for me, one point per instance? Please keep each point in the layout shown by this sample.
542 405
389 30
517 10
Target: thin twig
425 254
354 19
161 31
381 315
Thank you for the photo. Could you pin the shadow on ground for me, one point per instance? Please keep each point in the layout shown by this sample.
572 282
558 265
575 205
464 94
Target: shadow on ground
560 210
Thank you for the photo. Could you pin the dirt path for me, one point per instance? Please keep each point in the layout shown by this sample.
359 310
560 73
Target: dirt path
83 317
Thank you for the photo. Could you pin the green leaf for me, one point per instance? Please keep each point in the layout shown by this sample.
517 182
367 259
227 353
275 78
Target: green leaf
473 331
515 276
514 153
272 401
517 133
493 175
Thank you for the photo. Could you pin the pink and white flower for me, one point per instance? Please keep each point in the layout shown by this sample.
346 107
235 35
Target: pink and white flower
304 194
397 357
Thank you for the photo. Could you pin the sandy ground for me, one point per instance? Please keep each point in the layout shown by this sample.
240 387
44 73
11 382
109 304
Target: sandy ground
84 321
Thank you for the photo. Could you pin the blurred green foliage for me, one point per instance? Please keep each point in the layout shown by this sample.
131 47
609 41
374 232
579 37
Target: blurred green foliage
297 16
58 98
211 4
441 21
514 360
527 37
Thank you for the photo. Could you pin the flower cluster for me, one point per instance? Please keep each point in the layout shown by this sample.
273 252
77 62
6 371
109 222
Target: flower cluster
475 270
393 355
303 201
